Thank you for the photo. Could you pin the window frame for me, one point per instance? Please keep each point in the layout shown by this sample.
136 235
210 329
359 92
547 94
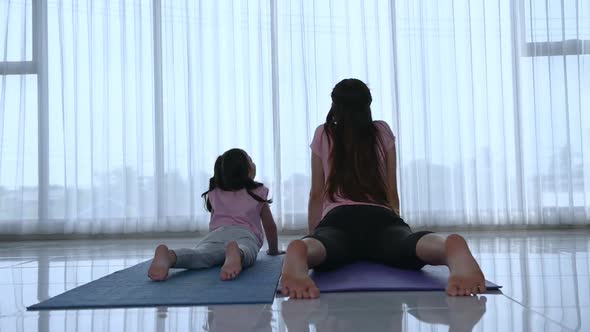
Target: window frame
37 66
548 48
24 67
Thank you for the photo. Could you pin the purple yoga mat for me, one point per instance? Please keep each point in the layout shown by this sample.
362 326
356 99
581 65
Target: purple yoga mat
366 276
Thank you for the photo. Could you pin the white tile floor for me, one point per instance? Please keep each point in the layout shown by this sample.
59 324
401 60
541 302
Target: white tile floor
545 274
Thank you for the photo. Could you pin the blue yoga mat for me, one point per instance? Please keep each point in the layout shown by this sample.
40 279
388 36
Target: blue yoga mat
131 287
366 276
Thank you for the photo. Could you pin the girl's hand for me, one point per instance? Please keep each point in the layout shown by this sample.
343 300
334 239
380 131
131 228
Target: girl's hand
275 252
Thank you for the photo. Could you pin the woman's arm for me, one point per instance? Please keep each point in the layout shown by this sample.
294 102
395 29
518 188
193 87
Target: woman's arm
316 194
392 193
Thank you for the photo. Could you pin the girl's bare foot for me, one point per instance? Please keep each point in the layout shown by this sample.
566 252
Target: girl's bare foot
164 259
466 277
233 262
295 280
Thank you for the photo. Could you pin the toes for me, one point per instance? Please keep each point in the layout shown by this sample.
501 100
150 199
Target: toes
156 276
475 290
305 294
299 293
452 291
228 275
314 293
285 290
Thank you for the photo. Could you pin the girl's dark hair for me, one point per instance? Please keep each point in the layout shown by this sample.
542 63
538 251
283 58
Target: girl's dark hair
356 146
232 173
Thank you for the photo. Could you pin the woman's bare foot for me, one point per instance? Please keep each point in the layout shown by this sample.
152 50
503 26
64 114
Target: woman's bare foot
295 280
233 262
164 259
466 277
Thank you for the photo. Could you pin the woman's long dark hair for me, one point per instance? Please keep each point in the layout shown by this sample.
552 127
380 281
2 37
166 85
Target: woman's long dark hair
231 173
356 146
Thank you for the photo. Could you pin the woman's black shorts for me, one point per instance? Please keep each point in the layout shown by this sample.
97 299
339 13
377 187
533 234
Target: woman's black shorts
366 232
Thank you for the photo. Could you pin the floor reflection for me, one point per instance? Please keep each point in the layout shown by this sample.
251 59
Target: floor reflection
382 311
545 274
247 318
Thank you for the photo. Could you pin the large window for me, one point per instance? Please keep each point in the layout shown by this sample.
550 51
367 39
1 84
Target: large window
18 113
112 112
555 67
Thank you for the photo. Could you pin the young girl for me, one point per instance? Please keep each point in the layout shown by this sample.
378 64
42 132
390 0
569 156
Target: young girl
237 204
354 205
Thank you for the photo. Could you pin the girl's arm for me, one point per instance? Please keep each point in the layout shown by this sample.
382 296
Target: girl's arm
316 194
270 230
392 193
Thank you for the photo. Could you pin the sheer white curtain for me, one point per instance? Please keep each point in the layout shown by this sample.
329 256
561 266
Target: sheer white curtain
490 132
113 124
101 116
217 94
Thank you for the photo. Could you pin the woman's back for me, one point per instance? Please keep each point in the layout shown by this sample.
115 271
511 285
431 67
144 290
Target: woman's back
322 145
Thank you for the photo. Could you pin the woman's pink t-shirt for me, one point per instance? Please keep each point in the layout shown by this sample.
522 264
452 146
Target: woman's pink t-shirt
320 146
238 208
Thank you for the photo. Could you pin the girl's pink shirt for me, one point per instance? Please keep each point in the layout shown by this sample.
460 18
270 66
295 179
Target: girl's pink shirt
238 208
